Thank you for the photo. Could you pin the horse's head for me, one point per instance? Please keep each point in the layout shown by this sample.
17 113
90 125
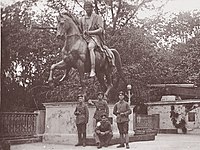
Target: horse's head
65 23
63 26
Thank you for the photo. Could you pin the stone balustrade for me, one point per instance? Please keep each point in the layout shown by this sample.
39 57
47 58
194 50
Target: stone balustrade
17 124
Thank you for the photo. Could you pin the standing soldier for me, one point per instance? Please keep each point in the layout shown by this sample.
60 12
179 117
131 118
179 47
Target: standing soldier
122 111
82 116
103 132
101 107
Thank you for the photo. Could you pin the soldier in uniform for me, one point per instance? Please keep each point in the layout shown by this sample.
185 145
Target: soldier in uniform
103 132
82 116
101 107
122 111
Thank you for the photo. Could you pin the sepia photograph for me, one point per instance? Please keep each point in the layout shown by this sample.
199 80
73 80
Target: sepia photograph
100 74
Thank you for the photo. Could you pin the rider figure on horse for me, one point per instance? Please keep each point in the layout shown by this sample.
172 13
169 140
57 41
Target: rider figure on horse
93 28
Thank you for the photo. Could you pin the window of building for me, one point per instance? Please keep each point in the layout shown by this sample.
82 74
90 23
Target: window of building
191 116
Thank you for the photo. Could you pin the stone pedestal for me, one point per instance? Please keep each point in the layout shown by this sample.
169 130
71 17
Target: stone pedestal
40 123
60 124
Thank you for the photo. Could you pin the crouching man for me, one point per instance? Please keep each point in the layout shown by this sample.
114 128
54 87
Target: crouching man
103 132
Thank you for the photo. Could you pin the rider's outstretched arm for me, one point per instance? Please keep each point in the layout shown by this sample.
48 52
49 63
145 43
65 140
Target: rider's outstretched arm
95 32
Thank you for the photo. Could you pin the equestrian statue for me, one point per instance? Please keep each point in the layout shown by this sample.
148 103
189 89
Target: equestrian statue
76 54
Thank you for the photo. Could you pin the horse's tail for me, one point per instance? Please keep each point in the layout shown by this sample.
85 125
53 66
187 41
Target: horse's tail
118 64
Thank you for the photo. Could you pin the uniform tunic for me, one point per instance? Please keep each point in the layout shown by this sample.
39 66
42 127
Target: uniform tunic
82 116
122 119
101 107
122 107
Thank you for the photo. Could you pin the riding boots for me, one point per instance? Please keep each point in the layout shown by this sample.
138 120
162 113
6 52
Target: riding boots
92 73
92 60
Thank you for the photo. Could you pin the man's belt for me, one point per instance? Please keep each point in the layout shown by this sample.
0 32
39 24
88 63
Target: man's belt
100 109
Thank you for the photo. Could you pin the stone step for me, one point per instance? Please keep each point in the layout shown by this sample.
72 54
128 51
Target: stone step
72 139
168 131
146 131
192 131
132 138
23 140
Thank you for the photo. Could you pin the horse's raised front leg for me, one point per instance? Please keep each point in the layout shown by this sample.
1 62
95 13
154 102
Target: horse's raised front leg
60 65
65 76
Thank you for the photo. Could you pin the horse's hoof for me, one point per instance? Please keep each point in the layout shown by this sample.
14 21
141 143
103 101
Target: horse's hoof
105 96
50 83
92 74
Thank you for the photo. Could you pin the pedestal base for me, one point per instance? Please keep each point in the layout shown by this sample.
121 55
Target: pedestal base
71 139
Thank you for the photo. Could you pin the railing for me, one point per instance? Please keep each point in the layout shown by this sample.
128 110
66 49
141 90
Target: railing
20 124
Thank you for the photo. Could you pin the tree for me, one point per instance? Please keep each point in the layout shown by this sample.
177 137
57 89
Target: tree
152 51
26 52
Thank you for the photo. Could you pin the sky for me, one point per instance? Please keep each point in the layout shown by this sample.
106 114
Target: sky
182 5
173 6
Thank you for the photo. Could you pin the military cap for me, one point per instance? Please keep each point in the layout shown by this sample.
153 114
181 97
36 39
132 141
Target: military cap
121 93
80 95
102 93
103 114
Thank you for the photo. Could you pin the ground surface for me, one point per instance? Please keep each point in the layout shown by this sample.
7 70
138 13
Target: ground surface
162 142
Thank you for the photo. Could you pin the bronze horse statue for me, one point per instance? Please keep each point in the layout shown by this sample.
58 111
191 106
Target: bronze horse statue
76 55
